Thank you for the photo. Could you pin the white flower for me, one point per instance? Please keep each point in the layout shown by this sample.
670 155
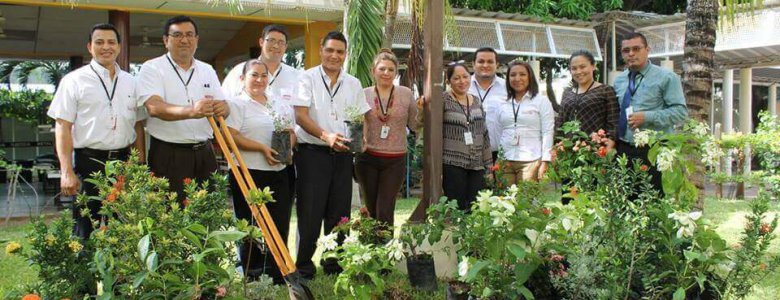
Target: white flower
463 267
642 137
701 129
360 259
395 250
352 238
686 221
711 153
328 242
665 159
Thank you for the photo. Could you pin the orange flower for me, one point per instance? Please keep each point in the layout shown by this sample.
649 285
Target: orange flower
602 151
364 211
103 228
644 168
546 211
495 167
31 297
765 228
187 180
574 192
186 202
111 197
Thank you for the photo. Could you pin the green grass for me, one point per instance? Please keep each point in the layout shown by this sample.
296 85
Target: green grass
727 215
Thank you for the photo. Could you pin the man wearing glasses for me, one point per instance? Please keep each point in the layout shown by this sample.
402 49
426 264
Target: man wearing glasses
650 97
179 91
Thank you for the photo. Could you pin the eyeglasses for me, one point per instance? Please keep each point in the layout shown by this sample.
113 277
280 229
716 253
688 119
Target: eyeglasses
452 63
628 50
276 42
179 35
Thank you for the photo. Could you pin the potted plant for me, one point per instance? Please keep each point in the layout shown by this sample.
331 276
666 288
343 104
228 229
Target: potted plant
419 264
281 139
354 129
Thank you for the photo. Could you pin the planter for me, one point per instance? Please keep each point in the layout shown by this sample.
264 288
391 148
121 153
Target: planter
457 290
422 272
355 133
280 142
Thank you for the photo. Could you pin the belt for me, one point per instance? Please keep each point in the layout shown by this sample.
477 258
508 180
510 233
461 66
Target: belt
321 148
104 154
193 147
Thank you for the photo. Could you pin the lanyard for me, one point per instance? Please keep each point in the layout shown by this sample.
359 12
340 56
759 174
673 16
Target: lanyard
385 110
105 88
487 92
633 89
578 96
327 87
177 73
466 110
276 75
515 111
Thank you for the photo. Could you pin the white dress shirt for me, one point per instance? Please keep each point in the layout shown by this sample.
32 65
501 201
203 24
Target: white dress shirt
329 113
281 85
84 101
255 121
530 136
491 98
161 76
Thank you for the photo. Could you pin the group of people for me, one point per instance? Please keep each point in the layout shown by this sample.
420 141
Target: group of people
101 111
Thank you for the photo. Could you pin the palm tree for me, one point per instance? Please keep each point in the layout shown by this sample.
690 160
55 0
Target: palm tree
391 12
364 29
53 71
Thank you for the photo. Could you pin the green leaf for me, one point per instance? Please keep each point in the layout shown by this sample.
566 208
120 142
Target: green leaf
227 236
197 228
195 240
526 293
690 255
517 250
198 269
478 266
139 279
143 246
679 294
151 262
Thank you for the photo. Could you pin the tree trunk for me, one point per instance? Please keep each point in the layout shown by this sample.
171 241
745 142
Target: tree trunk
548 68
701 25
391 12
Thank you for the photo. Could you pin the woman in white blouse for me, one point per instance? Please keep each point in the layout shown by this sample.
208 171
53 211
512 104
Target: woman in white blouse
527 125
251 123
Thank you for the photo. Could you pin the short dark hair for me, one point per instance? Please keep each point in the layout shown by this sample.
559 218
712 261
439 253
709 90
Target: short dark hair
634 35
451 68
334 35
276 28
104 26
533 86
485 49
178 20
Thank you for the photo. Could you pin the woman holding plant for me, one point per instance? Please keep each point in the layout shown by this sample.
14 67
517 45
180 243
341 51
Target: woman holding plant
467 156
380 169
527 124
252 124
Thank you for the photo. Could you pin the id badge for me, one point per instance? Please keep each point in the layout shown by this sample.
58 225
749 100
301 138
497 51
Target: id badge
112 122
333 114
516 138
468 138
384 132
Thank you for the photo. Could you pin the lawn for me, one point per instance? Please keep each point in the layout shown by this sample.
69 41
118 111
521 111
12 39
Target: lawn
728 215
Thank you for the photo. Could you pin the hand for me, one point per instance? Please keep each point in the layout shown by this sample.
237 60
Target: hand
335 141
269 153
553 154
69 183
203 108
609 143
636 119
542 169
221 108
421 101
489 176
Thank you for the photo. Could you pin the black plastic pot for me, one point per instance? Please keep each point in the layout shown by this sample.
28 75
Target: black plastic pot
457 291
422 272
280 142
356 135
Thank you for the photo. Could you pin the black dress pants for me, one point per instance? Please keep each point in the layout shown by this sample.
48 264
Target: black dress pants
380 179
86 162
324 193
179 161
462 184
257 260
632 153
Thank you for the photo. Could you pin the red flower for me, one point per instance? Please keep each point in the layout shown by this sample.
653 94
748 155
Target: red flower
602 151
112 196
344 220
221 292
556 257
186 202
546 211
643 168
31 297
364 212
151 174
187 180
765 228
601 132
495 168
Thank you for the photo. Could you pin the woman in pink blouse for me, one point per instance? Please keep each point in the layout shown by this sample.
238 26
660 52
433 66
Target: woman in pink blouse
380 169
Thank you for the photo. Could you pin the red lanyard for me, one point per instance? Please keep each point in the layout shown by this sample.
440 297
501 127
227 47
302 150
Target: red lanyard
384 113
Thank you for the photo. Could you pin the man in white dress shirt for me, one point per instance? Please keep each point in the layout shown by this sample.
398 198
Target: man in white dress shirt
179 92
323 162
96 121
491 91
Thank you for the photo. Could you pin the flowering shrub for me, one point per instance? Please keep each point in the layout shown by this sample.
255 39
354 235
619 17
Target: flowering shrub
361 258
580 160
